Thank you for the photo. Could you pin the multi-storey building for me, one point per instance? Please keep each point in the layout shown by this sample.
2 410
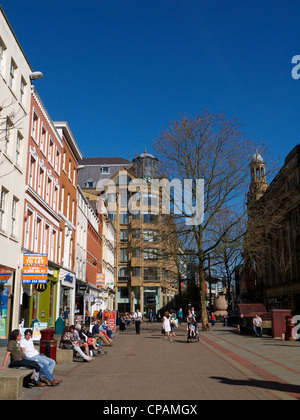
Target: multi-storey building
273 271
81 251
41 210
144 276
15 82
70 156
109 238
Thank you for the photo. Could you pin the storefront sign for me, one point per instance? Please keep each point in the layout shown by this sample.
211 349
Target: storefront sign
35 268
111 319
41 287
100 280
5 275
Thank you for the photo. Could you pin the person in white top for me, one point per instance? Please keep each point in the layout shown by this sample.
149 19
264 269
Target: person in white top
257 325
138 317
167 325
47 365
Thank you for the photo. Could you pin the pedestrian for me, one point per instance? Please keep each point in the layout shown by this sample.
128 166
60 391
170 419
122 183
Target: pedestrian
138 317
167 325
100 315
241 324
66 315
150 315
257 325
179 316
213 319
18 358
47 364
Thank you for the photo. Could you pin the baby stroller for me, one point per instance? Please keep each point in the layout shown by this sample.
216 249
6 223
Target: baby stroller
95 346
192 336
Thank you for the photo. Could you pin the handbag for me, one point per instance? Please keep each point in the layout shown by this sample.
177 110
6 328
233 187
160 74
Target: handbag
162 330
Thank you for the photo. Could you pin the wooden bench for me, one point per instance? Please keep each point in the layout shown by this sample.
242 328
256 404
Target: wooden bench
11 383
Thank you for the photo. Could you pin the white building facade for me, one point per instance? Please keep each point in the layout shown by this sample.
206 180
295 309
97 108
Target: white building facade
15 96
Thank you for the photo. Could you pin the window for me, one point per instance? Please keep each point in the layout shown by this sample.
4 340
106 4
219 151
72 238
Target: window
28 229
64 161
124 217
151 273
124 234
43 146
136 253
7 135
22 90
112 215
19 148
2 53
150 217
124 274
57 161
48 190
40 182
151 254
150 235
136 271
105 170
62 199
90 183
3 208
12 74
35 127
123 255
14 217
50 152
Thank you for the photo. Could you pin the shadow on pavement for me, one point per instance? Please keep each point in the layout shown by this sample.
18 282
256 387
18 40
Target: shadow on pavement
271 385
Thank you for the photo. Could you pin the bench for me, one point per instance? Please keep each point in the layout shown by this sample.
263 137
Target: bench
11 382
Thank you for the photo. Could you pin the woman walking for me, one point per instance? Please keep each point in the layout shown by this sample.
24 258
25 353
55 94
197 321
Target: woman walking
167 325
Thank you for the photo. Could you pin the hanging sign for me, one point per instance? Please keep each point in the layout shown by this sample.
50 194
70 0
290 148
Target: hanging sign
100 280
35 268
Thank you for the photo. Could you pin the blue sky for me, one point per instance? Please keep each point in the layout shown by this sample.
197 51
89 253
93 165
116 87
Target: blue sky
119 70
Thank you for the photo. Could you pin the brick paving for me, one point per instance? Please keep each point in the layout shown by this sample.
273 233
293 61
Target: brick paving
222 366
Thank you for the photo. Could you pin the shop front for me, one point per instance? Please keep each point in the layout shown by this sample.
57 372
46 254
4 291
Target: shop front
67 288
44 298
151 299
6 288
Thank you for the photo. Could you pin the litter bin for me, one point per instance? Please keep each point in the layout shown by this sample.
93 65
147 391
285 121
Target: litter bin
290 325
48 344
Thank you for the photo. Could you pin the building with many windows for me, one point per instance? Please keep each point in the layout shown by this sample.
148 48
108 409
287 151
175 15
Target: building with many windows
15 96
144 275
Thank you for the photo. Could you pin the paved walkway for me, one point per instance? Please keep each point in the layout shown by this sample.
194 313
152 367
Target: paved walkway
222 366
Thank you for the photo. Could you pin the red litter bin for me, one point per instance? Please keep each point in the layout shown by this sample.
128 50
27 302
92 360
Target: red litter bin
48 344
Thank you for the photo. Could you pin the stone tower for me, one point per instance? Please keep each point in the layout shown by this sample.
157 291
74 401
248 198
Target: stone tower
259 182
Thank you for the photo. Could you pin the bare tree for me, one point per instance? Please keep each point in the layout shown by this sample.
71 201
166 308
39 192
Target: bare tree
212 148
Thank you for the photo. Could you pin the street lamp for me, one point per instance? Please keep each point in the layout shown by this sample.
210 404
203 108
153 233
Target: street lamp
36 75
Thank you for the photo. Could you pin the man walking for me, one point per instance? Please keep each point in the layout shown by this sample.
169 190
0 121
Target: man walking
137 319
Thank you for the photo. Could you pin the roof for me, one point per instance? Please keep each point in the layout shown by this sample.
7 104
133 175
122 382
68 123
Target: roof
104 161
